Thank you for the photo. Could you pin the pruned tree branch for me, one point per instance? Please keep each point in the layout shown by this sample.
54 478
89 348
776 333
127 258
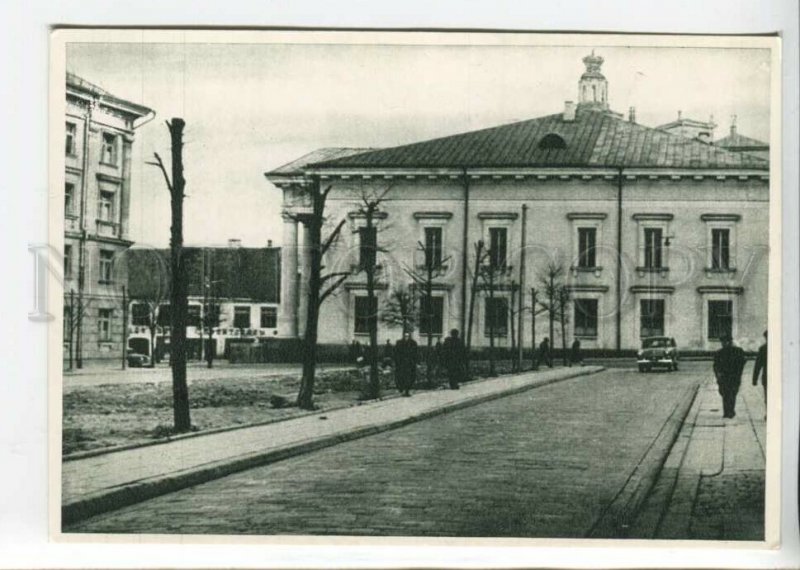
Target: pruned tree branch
332 238
160 164
333 287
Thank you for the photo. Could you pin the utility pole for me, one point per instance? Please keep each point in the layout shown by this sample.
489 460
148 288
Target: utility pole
124 328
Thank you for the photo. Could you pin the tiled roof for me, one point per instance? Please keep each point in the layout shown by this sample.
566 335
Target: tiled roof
736 140
593 139
319 155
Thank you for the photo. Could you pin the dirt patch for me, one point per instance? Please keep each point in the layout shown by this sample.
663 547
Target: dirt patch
117 414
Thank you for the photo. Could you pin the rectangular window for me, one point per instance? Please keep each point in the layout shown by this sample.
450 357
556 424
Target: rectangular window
433 248
496 317
498 240
368 245
241 317
67 261
106 265
652 317
587 238
104 324
140 315
164 315
720 248
269 317
586 318
365 314
431 315
69 198
652 248
70 143
105 206
720 319
109 155
193 317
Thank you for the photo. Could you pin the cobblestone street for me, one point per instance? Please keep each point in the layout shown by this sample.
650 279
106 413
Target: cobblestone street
544 463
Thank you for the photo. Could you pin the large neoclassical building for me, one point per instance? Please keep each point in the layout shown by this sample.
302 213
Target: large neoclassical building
657 232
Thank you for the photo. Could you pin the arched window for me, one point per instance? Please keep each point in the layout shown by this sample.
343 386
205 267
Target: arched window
552 140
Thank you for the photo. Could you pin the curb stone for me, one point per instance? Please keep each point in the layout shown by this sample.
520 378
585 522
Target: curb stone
621 513
149 488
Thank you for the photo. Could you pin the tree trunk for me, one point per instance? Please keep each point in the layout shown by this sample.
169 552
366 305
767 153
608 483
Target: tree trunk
492 323
178 301
513 329
372 303
152 346
472 293
534 360
562 306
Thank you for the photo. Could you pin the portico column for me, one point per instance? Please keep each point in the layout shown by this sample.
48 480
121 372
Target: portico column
304 270
287 320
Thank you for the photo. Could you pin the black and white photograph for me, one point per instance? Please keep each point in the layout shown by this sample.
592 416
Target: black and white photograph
444 285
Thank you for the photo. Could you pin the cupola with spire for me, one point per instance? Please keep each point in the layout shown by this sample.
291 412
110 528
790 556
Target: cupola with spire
593 86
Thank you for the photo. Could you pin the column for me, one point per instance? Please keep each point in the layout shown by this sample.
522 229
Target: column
303 270
287 311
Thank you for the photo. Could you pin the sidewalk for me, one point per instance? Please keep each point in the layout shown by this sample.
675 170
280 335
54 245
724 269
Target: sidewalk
712 484
105 482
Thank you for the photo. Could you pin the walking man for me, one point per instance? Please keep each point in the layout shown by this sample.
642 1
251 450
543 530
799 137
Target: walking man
761 367
455 359
405 364
544 353
728 365
576 356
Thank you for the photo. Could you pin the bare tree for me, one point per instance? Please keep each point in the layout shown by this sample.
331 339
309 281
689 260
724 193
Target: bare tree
369 209
400 308
75 310
492 276
564 296
178 290
320 286
481 255
553 302
424 276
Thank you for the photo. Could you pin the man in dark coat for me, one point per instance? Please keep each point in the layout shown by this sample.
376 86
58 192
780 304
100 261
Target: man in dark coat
729 362
544 353
405 364
576 357
454 358
761 366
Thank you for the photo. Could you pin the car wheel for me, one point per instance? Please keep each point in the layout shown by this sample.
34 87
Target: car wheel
641 368
675 365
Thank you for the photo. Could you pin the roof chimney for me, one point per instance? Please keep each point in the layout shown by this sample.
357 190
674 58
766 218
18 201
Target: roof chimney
632 115
569 111
680 115
733 125
234 242
269 243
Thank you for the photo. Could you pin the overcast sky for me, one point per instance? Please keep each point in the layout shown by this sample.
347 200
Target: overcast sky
251 108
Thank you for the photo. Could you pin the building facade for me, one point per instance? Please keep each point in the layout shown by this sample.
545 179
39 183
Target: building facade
99 136
652 232
234 294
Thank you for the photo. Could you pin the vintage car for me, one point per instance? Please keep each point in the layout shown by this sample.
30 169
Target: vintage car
136 360
657 351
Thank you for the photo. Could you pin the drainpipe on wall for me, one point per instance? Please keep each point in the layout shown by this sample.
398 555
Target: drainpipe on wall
464 254
82 239
619 258
520 333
